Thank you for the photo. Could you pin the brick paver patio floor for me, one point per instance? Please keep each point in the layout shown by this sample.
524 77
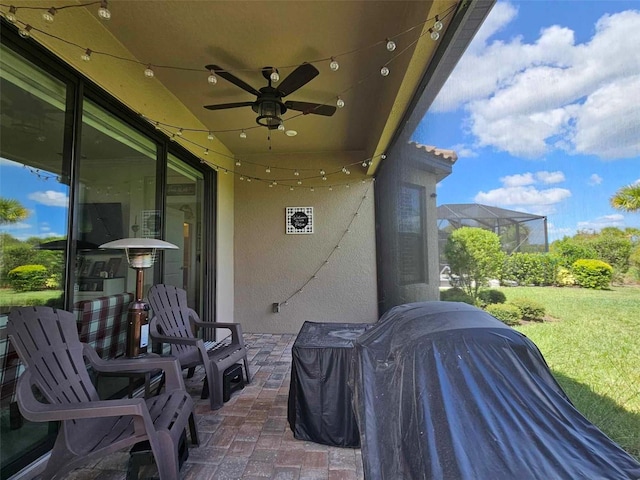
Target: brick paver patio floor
249 437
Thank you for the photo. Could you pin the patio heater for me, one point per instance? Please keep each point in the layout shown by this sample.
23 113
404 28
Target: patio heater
141 254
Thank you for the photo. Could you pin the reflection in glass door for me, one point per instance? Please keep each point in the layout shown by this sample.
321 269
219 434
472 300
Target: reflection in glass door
34 206
183 267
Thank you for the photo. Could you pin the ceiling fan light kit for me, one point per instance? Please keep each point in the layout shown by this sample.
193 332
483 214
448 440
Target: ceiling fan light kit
269 104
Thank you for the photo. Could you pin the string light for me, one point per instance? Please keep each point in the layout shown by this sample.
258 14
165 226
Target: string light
212 79
11 16
296 173
179 132
243 134
281 127
384 71
148 72
25 32
275 76
433 34
334 65
238 163
49 14
268 170
438 25
86 56
206 151
340 102
103 11
391 45
210 136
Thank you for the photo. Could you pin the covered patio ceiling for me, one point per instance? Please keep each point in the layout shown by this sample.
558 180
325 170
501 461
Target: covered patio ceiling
177 39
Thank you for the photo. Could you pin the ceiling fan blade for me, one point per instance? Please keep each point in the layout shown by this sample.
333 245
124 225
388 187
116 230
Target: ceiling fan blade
222 106
296 79
233 79
311 108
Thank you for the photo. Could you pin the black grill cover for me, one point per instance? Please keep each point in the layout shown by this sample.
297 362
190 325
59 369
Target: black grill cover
442 390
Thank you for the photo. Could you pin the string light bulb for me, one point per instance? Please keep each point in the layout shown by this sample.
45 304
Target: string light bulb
206 151
391 45
296 173
438 25
210 136
340 102
148 72
281 127
49 14
86 56
238 163
243 134
11 15
275 76
267 170
212 79
322 172
334 65
384 71
25 32
179 132
433 34
103 12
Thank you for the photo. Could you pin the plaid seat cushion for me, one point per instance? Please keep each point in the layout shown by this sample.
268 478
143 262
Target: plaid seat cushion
102 323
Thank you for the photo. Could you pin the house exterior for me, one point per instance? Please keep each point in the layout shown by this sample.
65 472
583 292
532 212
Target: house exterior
103 123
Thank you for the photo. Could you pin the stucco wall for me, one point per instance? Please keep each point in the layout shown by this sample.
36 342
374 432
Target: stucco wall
271 265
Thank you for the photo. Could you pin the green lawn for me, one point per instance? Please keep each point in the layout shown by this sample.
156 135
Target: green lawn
592 344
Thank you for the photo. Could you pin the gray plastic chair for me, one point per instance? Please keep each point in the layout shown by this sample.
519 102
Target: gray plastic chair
47 342
174 323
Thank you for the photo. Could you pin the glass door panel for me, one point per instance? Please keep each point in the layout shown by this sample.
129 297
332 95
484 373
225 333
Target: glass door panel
183 267
34 211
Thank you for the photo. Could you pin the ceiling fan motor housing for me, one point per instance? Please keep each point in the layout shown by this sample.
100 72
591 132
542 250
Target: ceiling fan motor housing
269 108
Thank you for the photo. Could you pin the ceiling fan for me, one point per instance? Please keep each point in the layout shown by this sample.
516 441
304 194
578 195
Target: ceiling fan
269 104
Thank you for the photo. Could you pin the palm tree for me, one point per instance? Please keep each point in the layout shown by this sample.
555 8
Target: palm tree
627 198
11 211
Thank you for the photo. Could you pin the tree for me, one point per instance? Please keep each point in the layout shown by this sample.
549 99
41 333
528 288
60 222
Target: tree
627 198
11 211
475 255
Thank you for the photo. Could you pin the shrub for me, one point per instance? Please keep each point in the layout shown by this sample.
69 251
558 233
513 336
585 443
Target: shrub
592 273
491 296
564 277
455 295
475 255
568 250
26 278
505 312
530 268
530 309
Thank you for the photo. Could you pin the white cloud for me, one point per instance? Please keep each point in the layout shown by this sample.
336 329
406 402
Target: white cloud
523 195
614 220
550 177
530 98
16 226
464 151
50 198
595 179
518 180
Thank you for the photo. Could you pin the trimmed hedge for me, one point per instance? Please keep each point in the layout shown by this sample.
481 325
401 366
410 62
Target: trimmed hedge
455 295
531 310
491 296
530 268
505 312
590 273
28 278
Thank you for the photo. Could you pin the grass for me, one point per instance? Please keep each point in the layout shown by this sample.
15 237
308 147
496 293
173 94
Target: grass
591 344
9 297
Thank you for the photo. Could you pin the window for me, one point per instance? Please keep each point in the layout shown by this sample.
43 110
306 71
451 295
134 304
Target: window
411 239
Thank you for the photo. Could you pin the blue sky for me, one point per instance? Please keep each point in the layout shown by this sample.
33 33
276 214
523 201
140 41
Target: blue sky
543 111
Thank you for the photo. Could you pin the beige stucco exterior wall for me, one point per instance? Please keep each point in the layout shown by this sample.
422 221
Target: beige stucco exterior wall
224 249
271 265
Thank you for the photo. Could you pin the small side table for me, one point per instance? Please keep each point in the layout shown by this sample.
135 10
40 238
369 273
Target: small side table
133 375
